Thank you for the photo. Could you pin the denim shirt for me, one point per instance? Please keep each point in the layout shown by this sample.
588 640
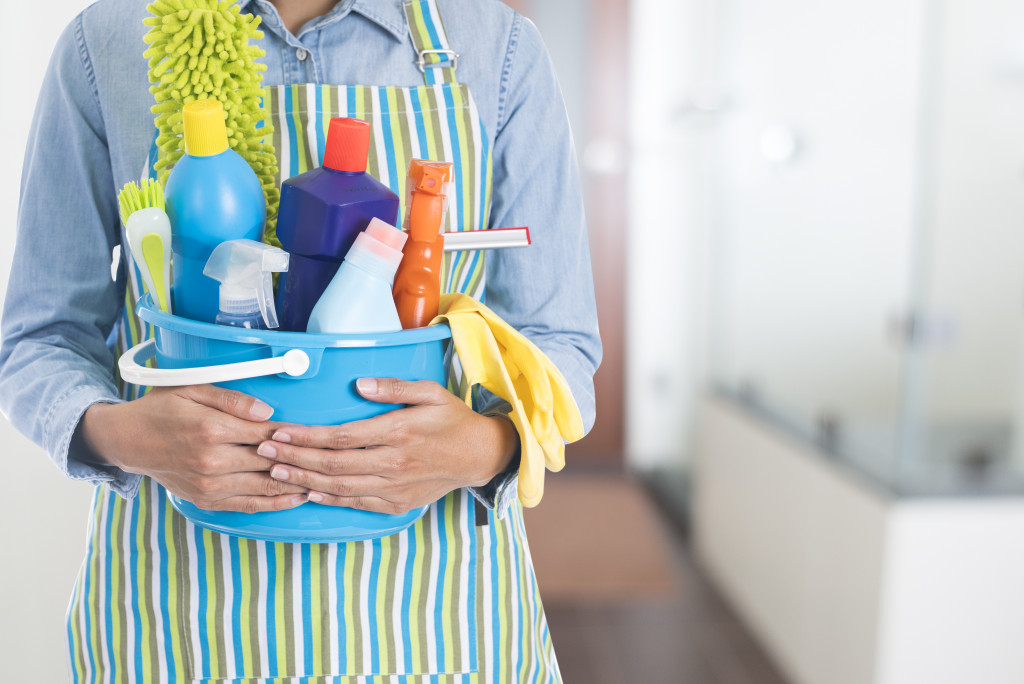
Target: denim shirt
92 131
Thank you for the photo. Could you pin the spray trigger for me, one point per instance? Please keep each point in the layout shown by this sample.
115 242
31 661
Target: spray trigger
245 271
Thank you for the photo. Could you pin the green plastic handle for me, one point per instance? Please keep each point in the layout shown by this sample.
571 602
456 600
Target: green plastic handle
153 255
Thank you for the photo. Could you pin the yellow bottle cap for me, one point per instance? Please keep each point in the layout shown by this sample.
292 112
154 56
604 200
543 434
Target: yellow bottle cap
205 133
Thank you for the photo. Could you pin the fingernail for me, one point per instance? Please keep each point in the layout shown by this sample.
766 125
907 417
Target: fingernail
279 473
366 385
261 410
298 500
282 437
266 450
316 497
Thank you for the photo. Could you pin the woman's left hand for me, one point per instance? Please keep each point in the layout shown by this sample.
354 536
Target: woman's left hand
399 460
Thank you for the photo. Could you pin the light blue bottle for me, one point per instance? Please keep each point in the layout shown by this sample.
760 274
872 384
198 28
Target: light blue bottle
213 195
359 299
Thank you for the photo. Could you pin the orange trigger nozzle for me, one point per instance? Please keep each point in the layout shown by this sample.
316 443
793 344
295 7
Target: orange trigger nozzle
429 177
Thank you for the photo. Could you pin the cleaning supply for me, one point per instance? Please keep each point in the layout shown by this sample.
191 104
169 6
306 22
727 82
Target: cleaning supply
149 236
418 281
306 379
244 269
320 215
499 358
212 196
358 299
490 238
200 49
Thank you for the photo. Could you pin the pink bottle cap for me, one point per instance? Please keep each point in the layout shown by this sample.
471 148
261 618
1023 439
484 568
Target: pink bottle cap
371 254
387 233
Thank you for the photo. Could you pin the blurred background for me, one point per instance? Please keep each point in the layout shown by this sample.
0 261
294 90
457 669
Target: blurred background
807 229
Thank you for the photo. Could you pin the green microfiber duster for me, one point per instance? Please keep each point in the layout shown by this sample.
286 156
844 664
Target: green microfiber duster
200 49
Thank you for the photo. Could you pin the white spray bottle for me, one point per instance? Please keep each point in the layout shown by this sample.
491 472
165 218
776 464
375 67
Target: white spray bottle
244 269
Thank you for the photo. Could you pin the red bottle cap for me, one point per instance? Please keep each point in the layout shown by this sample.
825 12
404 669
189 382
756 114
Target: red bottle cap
348 144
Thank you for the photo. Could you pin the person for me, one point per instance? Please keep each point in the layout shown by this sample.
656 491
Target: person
159 598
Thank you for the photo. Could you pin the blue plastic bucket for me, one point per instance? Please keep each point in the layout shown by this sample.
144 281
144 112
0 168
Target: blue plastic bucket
320 392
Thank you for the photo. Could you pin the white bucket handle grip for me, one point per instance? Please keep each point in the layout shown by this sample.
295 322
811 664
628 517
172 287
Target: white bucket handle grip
294 362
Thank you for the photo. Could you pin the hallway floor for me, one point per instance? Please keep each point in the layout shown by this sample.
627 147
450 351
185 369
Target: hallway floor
624 597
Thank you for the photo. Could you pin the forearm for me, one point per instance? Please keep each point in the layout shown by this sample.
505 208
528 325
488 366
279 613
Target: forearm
499 491
101 436
499 449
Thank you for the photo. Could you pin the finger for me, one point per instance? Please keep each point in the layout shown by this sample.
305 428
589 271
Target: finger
208 491
245 459
394 391
214 426
259 504
374 504
227 460
231 402
344 485
261 484
330 461
360 434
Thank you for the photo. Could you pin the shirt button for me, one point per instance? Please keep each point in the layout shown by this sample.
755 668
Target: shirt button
301 54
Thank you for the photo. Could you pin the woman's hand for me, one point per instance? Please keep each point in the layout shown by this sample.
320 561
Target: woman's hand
399 460
197 441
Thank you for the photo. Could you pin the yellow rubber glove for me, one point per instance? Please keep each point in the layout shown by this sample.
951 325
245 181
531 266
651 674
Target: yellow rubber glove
499 358
550 420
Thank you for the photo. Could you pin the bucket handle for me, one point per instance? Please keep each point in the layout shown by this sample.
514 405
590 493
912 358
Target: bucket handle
294 362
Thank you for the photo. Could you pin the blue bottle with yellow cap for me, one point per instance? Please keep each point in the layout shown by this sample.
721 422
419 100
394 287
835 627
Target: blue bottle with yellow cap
213 195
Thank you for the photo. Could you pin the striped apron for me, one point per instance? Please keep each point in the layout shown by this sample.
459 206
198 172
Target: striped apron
451 599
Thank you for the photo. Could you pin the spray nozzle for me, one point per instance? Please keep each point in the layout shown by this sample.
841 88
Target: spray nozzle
428 185
430 177
243 268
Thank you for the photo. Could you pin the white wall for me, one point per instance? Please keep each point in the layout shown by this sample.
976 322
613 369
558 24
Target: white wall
791 273
817 248
672 134
42 515
743 267
976 252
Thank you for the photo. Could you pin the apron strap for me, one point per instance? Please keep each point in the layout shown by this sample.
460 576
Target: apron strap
435 56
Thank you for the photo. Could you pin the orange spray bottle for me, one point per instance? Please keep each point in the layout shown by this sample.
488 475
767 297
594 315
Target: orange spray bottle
417 288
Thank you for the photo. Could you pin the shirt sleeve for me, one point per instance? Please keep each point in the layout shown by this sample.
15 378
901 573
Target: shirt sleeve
62 302
546 291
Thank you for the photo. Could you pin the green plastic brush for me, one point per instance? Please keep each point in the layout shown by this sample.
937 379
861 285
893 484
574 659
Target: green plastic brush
149 236
200 49
132 197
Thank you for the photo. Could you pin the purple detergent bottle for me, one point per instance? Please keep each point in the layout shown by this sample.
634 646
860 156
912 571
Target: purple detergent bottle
321 213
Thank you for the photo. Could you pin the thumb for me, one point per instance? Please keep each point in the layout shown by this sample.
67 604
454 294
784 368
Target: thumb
394 391
231 402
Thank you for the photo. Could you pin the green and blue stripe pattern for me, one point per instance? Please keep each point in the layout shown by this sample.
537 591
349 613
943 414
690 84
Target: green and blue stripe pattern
428 34
449 600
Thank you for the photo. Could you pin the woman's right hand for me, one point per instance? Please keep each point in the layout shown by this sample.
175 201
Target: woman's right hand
198 441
